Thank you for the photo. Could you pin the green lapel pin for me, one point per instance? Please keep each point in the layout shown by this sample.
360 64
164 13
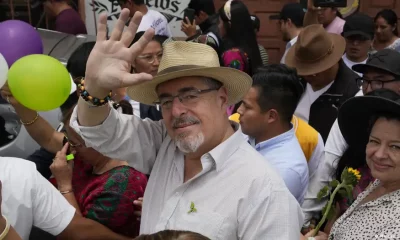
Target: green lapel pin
192 208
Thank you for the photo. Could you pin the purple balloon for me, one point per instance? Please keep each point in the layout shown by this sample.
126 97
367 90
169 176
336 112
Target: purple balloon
18 39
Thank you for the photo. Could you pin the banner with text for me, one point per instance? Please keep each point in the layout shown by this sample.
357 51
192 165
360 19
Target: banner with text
173 10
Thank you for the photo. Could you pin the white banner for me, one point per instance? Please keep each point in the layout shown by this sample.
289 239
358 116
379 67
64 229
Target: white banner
173 10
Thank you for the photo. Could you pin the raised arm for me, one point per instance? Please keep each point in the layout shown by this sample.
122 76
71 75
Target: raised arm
311 16
109 64
38 128
117 135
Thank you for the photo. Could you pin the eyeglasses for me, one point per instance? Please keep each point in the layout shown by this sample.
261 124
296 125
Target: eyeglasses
150 58
375 84
66 140
187 98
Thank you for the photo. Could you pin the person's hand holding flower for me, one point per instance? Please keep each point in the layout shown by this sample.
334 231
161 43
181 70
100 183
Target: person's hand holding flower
349 180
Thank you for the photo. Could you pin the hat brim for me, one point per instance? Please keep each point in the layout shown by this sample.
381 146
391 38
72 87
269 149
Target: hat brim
362 68
236 82
275 17
311 68
355 115
358 33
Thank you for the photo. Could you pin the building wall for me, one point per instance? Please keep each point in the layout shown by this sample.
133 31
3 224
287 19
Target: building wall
269 35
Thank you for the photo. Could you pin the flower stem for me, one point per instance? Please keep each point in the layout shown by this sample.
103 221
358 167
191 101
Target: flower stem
328 208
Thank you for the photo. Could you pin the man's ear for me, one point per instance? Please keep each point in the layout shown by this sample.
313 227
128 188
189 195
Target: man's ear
272 116
223 96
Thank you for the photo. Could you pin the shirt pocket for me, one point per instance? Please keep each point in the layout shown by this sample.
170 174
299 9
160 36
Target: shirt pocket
206 223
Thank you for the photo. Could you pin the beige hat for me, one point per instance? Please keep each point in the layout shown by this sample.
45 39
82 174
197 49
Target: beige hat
189 59
315 51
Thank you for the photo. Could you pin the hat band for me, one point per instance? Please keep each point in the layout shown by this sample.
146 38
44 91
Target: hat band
330 51
179 68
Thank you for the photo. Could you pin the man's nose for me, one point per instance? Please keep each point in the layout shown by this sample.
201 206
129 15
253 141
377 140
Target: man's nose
177 108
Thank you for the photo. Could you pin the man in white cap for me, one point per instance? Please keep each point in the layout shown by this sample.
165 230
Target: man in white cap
204 177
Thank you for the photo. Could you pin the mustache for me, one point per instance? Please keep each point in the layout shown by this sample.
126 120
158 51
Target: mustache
177 122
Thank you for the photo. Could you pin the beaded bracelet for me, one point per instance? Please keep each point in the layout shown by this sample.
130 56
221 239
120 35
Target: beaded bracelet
90 99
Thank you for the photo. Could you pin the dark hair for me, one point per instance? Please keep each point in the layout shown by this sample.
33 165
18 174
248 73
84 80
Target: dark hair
172 235
240 33
278 88
391 18
338 13
158 38
206 6
76 64
125 106
71 101
256 22
354 156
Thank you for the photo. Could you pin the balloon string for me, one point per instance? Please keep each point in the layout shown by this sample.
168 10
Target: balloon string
29 12
12 9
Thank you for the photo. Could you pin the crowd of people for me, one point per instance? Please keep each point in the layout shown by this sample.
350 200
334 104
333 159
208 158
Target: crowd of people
205 139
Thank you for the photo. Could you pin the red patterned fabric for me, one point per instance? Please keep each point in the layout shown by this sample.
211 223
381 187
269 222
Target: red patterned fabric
108 198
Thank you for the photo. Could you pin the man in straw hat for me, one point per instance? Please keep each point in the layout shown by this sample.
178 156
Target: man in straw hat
317 56
204 176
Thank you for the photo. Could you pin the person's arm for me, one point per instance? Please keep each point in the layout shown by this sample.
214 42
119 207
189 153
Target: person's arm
81 228
81 9
109 64
334 149
62 171
294 182
272 214
316 157
38 128
311 16
117 135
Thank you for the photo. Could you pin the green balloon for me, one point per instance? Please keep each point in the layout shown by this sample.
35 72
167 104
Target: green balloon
39 82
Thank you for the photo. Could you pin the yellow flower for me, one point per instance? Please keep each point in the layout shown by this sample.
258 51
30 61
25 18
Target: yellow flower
355 172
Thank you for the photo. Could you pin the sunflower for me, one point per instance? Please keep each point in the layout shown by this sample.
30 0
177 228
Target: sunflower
355 172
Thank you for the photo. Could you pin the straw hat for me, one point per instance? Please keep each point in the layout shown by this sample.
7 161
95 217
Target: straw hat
189 59
315 51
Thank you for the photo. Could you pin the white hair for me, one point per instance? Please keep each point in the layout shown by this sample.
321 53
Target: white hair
189 144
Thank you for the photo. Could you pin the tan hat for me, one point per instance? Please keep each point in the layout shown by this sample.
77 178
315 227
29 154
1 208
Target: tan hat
315 51
189 59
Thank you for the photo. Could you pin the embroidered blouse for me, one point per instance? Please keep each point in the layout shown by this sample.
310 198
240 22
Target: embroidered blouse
108 198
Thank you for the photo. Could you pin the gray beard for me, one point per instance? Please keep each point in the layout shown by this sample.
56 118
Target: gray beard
188 144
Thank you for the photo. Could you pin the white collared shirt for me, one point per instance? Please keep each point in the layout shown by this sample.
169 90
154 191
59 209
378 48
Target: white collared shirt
288 46
237 195
350 63
31 200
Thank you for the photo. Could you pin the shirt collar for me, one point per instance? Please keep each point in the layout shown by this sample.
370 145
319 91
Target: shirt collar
291 42
224 150
280 139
